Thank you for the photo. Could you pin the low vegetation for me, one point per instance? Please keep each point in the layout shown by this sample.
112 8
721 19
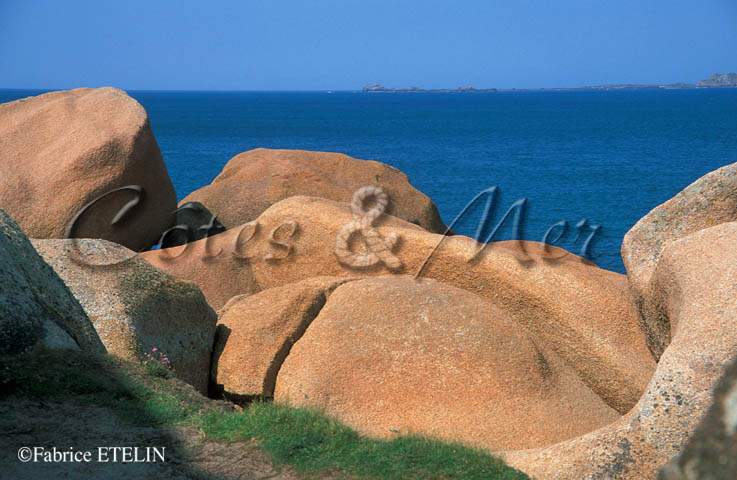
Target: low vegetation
305 440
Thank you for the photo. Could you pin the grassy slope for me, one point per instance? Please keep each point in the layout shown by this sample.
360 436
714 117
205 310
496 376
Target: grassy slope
303 439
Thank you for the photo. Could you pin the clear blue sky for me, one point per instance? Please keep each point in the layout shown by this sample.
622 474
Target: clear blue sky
345 44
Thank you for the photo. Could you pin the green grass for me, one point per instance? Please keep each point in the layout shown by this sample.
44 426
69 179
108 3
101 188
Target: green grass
312 442
303 439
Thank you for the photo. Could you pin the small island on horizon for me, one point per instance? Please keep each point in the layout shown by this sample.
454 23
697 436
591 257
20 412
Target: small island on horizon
717 80
382 89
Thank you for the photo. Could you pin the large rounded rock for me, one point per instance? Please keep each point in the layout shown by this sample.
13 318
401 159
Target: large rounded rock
580 311
60 151
255 334
693 285
135 307
253 181
709 201
36 308
398 355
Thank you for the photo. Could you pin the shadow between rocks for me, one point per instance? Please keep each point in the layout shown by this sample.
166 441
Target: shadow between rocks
76 402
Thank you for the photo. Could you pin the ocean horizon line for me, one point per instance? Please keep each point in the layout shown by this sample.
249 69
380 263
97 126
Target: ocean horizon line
592 89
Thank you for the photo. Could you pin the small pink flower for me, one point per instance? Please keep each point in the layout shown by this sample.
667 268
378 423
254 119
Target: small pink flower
154 349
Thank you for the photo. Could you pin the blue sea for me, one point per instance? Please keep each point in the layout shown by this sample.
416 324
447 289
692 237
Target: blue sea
606 156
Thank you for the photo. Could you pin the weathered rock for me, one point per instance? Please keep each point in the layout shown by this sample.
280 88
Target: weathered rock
36 308
711 453
253 181
695 288
213 263
135 307
580 311
256 332
398 355
709 201
60 151
193 222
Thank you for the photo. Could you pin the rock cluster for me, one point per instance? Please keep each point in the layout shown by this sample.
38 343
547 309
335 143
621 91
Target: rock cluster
581 312
395 355
256 333
365 310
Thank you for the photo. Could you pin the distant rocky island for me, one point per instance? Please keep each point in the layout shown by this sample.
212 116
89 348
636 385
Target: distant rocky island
717 80
720 80
382 89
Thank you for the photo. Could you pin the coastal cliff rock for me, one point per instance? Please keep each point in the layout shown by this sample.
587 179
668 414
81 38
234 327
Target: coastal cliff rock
62 150
255 334
581 312
253 181
135 307
709 201
36 308
696 291
395 355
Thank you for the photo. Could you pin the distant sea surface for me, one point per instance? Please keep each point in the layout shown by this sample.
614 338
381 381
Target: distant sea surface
607 156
